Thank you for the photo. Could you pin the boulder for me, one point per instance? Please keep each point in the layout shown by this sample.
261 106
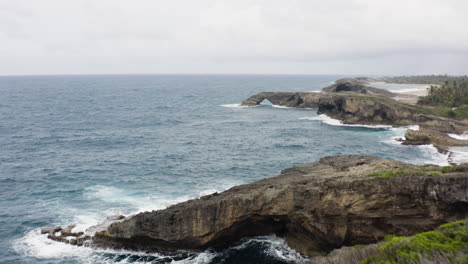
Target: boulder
50 229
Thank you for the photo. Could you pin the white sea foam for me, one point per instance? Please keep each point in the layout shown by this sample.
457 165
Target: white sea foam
280 106
35 244
394 140
413 127
459 155
236 106
335 122
432 156
458 136
275 247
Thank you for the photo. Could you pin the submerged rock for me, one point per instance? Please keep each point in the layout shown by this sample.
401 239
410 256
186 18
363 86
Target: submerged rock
338 201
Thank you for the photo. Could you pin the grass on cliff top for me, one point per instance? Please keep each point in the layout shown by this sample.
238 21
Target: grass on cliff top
447 244
421 171
387 174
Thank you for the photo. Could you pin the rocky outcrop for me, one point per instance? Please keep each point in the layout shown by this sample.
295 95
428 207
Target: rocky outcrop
367 110
298 100
311 99
437 138
359 109
340 200
356 86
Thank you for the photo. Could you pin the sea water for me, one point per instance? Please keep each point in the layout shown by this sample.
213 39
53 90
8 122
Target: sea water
75 149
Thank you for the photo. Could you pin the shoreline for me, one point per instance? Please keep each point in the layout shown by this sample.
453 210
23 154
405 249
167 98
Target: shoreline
261 204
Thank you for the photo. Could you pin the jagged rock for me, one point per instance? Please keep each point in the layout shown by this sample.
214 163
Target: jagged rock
298 100
115 217
359 109
317 207
50 229
437 138
103 226
311 99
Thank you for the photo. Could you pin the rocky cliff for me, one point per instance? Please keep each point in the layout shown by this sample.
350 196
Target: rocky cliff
298 100
311 99
359 109
356 86
340 200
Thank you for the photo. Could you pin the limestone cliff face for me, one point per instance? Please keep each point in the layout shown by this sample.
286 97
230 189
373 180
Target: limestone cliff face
311 100
364 109
317 207
358 109
429 135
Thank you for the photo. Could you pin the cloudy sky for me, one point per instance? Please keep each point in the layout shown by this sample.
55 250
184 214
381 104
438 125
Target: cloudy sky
237 36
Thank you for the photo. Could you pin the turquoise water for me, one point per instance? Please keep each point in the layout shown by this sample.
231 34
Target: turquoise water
75 149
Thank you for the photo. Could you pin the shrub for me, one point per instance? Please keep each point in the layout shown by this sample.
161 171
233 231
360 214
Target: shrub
446 242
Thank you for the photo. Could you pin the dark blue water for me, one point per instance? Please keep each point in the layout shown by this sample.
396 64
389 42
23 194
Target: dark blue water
74 149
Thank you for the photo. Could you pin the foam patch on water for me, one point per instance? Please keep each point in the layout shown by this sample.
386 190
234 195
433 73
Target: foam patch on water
432 156
235 106
275 247
457 136
335 122
35 244
280 106
459 155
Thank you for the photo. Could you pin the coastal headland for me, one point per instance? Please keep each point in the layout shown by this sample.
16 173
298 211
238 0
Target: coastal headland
320 207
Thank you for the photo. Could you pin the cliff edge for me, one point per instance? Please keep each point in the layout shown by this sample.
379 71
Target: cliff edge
317 207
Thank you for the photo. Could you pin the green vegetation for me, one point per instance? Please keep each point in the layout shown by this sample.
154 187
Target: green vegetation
452 93
434 171
389 173
446 244
454 168
422 79
386 174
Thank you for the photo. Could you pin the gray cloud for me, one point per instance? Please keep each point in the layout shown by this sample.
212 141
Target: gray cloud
242 36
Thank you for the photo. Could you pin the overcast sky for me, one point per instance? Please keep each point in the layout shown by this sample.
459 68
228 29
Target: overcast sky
238 36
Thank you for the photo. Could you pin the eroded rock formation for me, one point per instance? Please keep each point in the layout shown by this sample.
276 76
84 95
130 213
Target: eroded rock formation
357 109
298 100
311 99
356 86
340 200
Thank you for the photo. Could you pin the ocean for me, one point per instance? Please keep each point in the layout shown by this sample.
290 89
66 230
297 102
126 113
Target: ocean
75 149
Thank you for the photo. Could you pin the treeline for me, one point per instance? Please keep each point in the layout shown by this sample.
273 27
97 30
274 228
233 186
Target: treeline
452 92
423 79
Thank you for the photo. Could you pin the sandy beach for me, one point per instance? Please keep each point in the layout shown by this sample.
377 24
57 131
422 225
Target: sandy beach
422 92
